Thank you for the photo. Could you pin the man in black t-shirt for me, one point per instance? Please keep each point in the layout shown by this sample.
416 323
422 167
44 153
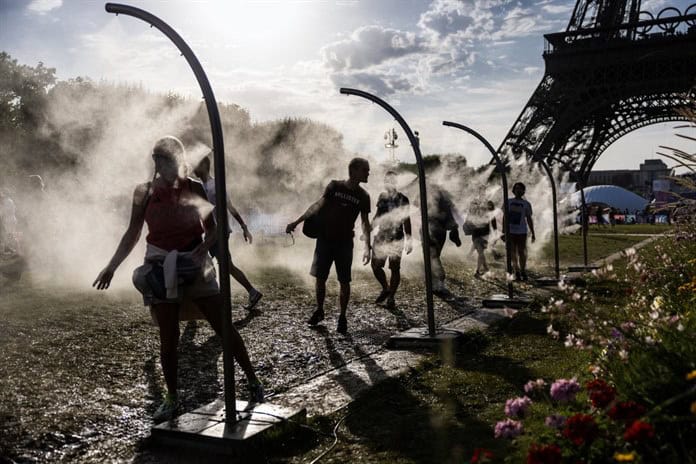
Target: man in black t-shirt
392 218
343 201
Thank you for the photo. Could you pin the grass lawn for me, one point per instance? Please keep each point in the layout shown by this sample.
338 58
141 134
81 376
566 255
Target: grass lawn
446 409
570 247
631 229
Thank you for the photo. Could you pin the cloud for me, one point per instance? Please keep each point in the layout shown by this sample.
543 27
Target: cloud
558 9
531 70
453 17
654 6
379 83
520 22
453 38
44 6
369 46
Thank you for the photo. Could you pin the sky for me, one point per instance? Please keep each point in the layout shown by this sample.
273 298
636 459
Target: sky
475 62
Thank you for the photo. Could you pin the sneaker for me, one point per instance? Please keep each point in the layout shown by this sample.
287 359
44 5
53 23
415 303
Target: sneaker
254 297
342 326
382 296
167 409
256 392
518 276
523 275
391 304
317 317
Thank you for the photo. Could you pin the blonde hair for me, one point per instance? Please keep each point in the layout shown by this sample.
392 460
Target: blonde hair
172 147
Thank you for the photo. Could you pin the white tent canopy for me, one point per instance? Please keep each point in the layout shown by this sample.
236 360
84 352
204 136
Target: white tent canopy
611 195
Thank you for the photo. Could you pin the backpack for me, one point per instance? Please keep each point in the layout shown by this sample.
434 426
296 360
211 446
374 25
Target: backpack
312 225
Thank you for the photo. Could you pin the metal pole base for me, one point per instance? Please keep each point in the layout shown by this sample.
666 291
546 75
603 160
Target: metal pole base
205 428
503 301
582 268
419 338
547 282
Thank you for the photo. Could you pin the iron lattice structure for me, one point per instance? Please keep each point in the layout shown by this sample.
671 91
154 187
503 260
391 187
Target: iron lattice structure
615 69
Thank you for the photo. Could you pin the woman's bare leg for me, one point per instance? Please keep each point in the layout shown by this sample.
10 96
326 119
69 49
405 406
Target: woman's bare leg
168 320
210 307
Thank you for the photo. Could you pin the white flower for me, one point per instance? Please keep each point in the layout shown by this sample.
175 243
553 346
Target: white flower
654 315
658 303
680 327
649 340
623 354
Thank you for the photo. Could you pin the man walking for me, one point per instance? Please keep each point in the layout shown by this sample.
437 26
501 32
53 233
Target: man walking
392 218
520 214
441 220
202 171
338 208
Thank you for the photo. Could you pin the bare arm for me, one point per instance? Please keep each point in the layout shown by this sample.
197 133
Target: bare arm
313 209
238 217
365 218
407 229
530 223
129 239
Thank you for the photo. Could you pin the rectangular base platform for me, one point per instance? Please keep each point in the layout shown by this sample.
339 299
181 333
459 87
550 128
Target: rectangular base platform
503 301
419 338
205 428
546 282
582 268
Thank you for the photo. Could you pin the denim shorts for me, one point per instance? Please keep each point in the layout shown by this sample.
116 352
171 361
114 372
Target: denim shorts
201 288
327 252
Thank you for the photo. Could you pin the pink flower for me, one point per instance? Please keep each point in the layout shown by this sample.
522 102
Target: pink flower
508 428
533 385
516 407
565 389
555 421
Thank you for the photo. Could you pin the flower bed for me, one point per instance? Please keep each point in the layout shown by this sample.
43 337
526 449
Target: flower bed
636 402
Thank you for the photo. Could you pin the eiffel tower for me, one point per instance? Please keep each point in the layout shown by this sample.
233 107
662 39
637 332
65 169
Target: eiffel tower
614 70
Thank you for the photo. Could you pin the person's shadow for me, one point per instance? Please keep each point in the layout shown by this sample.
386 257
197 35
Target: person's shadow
351 382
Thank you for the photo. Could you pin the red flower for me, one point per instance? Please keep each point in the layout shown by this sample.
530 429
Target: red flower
481 455
544 454
626 411
580 428
601 393
639 431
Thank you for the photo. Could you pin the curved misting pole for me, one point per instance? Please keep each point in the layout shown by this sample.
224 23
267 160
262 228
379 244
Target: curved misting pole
220 190
501 167
555 216
425 233
584 219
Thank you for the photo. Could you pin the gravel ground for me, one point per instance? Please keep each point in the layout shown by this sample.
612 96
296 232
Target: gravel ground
79 369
